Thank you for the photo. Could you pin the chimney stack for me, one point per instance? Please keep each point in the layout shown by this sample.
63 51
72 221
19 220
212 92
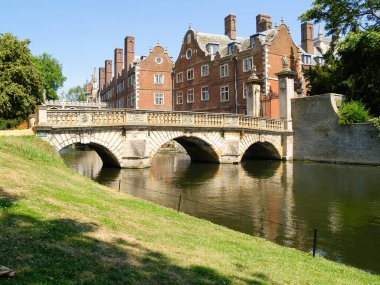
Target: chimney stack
230 26
307 37
129 52
101 77
108 68
118 60
263 23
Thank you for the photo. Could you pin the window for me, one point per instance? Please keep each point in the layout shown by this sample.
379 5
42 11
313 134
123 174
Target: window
204 70
319 60
179 77
252 40
306 59
188 38
190 74
230 48
179 98
247 64
158 59
159 79
190 95
224 70
158 98
212 48
189 53
224 94
204 93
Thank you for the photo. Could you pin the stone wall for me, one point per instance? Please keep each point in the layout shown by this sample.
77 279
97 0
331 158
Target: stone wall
319 137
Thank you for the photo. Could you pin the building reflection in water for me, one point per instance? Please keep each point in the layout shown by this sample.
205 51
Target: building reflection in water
279 201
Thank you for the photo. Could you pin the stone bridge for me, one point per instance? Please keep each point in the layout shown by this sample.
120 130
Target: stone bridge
131 138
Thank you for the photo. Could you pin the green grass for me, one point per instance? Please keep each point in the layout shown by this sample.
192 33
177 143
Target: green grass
57 227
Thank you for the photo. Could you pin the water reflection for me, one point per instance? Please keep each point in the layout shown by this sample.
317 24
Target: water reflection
282 202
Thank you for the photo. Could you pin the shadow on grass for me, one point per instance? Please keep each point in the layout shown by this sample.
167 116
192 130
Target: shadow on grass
61 252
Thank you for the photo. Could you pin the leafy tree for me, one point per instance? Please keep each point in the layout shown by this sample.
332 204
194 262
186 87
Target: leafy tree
343 16
76 93
21 82
353 69
51 70
353 112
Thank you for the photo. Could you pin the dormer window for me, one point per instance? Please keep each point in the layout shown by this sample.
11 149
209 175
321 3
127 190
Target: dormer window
212 48
230 48
306 59
252 40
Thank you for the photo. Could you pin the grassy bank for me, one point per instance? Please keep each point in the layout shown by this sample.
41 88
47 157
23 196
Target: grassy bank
57 227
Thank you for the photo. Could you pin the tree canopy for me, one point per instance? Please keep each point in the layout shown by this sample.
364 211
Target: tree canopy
51 70
352 65
21 82
343 16
76 93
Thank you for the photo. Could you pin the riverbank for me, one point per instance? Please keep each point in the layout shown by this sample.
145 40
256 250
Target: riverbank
60 227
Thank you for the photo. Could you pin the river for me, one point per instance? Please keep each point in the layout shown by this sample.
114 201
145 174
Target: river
280 201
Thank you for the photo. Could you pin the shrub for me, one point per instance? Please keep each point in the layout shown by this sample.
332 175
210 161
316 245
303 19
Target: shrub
353 112
376 123
10 123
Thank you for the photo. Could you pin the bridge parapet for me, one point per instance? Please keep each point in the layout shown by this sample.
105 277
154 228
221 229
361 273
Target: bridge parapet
60 105
122 117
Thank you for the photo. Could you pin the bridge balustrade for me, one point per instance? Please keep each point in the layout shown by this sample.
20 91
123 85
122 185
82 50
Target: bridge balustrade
103 117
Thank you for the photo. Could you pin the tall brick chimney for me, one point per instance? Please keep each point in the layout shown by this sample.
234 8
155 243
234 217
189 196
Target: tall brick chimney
230 26
129 51
118 61
108 68
307 37
263 23
102 79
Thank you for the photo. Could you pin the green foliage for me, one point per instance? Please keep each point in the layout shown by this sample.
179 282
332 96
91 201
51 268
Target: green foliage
20 79
10 123
376 124
51 70
353 112
343 16
354 72
76 93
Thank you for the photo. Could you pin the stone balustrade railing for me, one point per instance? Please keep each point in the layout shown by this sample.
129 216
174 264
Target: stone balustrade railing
60 105
121 117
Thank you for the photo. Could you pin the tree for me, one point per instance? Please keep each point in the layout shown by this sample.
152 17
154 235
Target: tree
352 64
21 82
51 70
343 16
76 93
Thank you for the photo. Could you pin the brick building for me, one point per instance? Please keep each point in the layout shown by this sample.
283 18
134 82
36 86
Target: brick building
211 70
144 83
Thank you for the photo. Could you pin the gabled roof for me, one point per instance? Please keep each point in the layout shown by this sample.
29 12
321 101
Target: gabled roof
223 41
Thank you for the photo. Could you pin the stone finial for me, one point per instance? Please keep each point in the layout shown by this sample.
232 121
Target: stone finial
285 64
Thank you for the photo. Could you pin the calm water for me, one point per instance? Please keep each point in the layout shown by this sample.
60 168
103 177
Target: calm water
280 201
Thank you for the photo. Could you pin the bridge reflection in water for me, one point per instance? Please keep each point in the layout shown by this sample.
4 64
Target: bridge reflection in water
280 201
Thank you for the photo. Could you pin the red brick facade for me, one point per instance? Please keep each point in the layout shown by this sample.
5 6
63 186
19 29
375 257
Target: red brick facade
230 62
143 83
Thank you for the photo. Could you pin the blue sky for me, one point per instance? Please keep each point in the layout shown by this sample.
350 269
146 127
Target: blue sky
81 34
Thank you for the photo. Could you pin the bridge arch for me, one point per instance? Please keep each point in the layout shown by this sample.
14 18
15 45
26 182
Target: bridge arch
108 145
259 146
199 147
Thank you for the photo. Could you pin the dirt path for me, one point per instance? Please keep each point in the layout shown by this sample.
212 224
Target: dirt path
17 133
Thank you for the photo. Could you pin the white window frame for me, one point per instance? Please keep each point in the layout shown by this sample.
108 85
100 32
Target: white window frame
190 72
223 70
245 60
179 77
190 92
205 70
223 91
159 98
179 96
205 95
158 79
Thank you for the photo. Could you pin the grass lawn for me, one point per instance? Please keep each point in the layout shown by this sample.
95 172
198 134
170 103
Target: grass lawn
57 227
